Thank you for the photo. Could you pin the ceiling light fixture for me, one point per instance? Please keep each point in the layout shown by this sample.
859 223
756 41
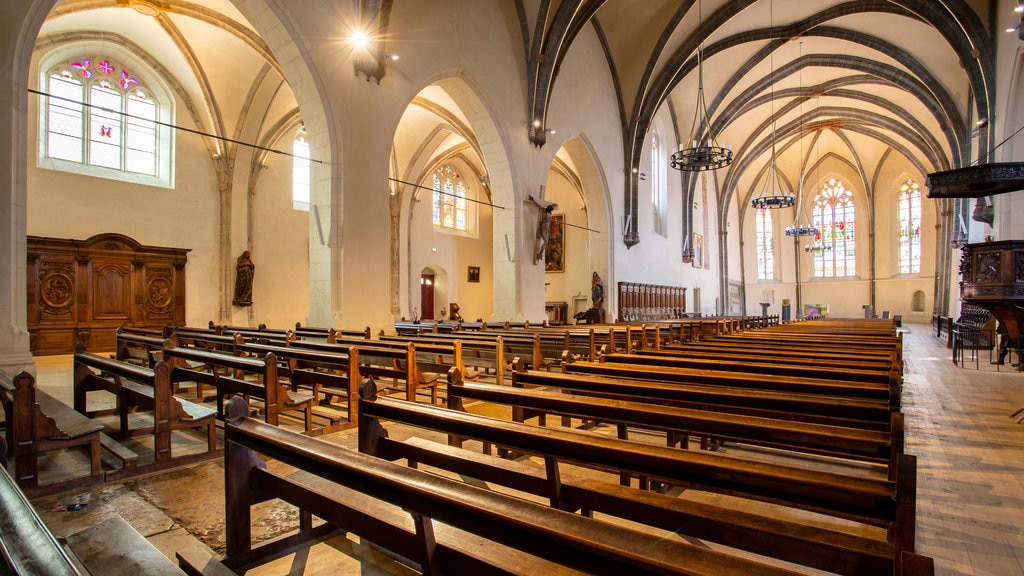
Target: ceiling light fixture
705 152
778 198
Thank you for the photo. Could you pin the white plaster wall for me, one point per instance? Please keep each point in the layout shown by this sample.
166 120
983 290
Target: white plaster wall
66 205
280 250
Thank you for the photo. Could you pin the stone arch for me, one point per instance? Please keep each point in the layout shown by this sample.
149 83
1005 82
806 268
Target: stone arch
326 183
597 196
489 142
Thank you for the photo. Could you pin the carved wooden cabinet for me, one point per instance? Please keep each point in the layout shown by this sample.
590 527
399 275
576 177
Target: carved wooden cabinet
83 290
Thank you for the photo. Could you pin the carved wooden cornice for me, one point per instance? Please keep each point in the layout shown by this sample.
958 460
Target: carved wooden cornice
976 181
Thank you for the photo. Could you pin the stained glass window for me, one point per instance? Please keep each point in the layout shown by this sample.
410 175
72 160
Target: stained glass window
300 171
99 114
449 200
659 187
909 211
834 248
765 244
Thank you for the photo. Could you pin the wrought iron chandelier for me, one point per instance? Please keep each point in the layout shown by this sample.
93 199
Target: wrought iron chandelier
778 197
705 152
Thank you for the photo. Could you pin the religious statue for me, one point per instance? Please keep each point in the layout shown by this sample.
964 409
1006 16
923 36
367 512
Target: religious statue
543 227
597 290
243 280
454 316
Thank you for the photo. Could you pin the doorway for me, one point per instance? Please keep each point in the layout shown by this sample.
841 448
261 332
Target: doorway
427 296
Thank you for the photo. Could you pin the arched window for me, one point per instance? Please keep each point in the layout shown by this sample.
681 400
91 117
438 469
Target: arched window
449 203
834 248
909 212
659 186
300 171
765 244
101 119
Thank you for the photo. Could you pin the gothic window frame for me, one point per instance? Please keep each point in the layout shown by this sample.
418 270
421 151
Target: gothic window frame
658 176
301 171
102 70
834 248
908 233
456 199
764 235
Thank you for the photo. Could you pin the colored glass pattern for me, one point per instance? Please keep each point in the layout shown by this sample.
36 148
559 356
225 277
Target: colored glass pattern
834 246
909 212
90 121
449 199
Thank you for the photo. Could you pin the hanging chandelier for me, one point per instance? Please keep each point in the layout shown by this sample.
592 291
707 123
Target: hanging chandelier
777 198
705 152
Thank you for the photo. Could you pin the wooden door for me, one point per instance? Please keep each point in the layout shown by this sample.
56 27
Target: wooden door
427 296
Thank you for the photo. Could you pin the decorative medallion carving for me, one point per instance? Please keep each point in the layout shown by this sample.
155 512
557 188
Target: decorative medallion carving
57 291
158 294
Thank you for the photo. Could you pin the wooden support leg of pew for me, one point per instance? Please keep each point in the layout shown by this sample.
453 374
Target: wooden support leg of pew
428 545
238 463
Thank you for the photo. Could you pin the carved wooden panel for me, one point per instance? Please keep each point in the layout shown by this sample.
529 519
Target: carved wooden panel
83 290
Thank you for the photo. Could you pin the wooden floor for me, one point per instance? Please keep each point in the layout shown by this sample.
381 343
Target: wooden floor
970 474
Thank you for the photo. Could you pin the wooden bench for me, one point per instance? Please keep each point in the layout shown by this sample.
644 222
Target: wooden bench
479 356
753 381
140 349
37 423
394 361
326 375
437 525
802 437
828 409
522 344
875 502
890 376
148 389
252 377
816 358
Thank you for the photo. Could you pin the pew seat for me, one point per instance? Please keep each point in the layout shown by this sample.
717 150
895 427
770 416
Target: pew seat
37 423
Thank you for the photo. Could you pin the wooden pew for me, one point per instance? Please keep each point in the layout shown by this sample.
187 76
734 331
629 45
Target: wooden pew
395 361
136 387
522 344
832 410
137 348
891 377
477 531
802 357
327 375
753 381
483 356
888 504
256 378
841 442
37 423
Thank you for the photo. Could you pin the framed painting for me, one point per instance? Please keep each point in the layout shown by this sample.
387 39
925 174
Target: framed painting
473 274
554 250
698 251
